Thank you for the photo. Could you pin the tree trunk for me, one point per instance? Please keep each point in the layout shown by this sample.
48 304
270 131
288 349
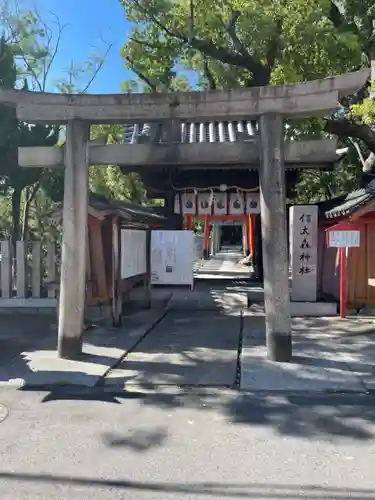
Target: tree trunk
29 197
25 218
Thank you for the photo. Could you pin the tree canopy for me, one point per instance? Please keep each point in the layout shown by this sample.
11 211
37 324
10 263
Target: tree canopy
28 50
228 44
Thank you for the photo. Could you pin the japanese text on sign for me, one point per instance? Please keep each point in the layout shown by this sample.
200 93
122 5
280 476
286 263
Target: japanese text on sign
344 239
305 244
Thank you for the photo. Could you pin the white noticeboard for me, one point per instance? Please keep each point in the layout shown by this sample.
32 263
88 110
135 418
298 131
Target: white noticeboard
344 239
172 258
133 253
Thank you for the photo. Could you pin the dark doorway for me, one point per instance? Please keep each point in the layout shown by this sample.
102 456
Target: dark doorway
231 236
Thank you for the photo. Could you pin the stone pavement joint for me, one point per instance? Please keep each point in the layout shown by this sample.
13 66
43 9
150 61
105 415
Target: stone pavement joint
39 367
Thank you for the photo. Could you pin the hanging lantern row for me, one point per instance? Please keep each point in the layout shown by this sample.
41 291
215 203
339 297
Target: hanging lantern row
216 203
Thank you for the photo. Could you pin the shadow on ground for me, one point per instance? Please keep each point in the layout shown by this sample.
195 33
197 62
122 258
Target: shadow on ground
213 490
316 416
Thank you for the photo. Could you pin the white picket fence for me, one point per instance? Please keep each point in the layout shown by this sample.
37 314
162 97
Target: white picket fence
24 276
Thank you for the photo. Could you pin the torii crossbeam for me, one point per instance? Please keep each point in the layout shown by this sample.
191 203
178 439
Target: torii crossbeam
269 105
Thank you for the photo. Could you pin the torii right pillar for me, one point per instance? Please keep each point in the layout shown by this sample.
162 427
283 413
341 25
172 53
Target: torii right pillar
274 238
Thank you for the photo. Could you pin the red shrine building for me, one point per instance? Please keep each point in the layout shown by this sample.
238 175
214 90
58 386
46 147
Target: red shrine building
209 173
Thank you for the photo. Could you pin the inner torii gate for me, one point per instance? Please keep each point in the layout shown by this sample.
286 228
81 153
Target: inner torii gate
268 105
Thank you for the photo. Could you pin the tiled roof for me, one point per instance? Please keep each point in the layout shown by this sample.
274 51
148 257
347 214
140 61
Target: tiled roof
353 201
125 209
233 131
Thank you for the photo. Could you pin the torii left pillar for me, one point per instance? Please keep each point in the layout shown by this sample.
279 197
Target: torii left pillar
274 238
74 241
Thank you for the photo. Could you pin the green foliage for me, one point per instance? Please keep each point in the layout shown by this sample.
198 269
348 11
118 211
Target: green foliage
244 43
29 195
364 112
109 181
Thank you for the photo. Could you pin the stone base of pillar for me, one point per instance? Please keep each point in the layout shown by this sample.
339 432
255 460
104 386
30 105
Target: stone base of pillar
206 254
279 347
70 347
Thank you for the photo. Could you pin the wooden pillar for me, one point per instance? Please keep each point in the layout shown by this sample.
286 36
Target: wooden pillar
21 269
245 238
148 279
74 241
6 248
206 237
274 238
251 235
343 284
116 273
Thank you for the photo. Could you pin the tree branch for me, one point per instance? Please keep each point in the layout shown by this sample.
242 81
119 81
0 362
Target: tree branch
274 46
369 165
97 69
60 29
261 74
335 16
140 75
231 29
346 128
209 76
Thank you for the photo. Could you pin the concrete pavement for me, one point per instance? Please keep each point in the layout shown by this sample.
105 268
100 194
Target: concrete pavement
195 344
194 349
185 445
329 354
34 362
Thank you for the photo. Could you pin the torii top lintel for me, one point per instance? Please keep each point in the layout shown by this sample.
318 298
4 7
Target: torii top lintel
312 98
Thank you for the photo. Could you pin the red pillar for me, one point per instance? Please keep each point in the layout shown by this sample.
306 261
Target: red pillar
206 237
188 222
250 235
343 297
246 226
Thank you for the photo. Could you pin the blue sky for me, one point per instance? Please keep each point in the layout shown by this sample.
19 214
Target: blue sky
89 23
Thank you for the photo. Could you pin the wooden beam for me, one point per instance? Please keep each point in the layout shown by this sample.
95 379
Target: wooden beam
302 99
197 155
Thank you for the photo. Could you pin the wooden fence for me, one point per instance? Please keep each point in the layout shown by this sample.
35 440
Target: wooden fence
24 275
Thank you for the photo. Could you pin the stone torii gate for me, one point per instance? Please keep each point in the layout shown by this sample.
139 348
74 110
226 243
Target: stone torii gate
269 105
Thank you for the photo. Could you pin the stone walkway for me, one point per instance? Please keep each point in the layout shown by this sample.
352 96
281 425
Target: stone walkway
329 354
224 265
195 342
185 349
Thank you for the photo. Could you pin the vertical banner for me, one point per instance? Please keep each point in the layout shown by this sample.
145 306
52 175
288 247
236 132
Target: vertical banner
220 204
304 252
236 204
204 204
177 203
188 201
252 203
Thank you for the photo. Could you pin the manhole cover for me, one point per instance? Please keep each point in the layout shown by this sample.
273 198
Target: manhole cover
4 412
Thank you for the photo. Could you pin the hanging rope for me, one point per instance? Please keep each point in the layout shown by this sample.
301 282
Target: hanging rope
212 188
